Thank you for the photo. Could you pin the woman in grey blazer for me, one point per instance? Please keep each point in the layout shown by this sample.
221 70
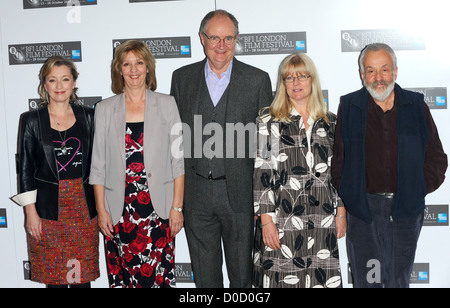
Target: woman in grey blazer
138 173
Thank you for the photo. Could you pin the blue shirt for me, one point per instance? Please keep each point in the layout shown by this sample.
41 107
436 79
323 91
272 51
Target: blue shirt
215 85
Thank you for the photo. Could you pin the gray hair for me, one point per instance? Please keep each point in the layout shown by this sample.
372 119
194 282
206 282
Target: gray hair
377 47
212 14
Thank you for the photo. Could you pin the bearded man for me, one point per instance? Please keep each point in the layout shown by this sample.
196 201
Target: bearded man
387 158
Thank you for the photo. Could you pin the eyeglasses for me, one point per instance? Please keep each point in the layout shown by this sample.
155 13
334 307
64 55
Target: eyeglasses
301 78
215 40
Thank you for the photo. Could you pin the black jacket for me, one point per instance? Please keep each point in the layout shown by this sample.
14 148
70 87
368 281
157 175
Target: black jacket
37 161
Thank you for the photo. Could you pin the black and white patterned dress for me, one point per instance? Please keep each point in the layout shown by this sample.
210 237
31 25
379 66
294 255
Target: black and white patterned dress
292 183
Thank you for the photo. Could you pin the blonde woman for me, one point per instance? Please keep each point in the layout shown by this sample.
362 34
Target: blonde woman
55 144
300 214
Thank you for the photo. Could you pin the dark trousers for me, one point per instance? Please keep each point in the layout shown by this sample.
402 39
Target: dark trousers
381 254
210 223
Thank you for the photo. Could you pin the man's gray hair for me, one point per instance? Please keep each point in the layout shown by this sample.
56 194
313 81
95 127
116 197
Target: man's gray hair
377 47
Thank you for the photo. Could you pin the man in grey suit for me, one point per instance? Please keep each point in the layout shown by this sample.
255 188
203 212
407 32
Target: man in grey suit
218 98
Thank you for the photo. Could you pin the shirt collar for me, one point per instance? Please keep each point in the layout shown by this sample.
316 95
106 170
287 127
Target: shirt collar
294 112
209 71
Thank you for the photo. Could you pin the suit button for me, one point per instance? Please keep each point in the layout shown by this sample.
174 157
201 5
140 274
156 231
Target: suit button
149 175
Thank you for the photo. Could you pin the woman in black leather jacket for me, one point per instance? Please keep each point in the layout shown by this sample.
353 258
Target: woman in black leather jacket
55 144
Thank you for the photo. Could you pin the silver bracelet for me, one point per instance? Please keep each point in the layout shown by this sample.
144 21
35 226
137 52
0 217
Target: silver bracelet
270 222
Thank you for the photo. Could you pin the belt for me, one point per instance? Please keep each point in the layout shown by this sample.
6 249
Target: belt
387 195
210 177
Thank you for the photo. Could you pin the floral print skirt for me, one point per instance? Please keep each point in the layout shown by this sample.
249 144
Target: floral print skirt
141 254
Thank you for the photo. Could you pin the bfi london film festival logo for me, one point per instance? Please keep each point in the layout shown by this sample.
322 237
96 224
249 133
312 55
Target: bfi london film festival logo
73 15
356 40
3 219
436 215
271 43
183 273
436 98
419 275
164 48
40 4
39 53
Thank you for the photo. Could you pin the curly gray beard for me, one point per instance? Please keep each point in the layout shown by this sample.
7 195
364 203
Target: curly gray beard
380 97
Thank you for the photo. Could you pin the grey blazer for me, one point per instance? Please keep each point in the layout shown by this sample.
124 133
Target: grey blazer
250 90
163 154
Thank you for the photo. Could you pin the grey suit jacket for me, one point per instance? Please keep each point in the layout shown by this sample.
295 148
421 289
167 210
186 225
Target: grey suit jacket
163 155
250 90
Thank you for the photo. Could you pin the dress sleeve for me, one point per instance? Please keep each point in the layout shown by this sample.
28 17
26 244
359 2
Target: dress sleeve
265 165
337 201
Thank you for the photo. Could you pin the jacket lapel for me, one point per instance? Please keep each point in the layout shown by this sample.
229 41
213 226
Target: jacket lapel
401 96
120 118
47 142
233 90
197 83
150 131
361 99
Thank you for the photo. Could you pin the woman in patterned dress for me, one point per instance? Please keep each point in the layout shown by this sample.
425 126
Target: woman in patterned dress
137 173
301 215
55 144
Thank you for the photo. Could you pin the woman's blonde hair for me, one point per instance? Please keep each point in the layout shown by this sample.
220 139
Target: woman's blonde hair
139 49
295 65
50 63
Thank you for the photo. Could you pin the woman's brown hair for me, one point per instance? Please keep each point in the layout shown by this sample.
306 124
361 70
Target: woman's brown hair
139 49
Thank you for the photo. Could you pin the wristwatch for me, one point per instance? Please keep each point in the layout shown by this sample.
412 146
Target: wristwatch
178 209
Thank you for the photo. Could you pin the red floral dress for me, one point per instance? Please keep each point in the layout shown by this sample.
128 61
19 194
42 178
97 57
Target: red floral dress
141 254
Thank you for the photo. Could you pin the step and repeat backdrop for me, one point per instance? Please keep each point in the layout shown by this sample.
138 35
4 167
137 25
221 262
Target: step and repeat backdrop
331 32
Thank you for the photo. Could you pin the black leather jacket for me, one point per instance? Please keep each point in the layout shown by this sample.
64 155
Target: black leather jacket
37 161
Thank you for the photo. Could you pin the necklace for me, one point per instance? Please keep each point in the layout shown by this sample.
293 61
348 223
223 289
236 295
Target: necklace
63 140
63 144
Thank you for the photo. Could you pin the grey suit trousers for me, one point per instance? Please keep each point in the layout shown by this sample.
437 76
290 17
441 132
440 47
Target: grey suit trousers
210 222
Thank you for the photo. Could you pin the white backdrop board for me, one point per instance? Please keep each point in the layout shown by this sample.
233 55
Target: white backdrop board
330 32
